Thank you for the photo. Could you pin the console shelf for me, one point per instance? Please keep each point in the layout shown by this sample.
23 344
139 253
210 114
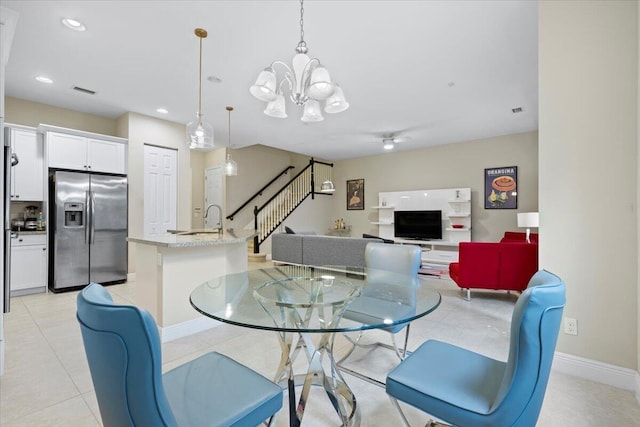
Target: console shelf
455 204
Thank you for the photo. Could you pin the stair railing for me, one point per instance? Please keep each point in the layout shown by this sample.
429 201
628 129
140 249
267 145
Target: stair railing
274 211
259 192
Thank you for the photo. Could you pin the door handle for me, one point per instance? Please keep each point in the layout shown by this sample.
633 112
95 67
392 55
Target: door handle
93 210
87 218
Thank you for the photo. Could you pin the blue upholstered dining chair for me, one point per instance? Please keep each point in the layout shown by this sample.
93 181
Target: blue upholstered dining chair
123 349
464 388
384 258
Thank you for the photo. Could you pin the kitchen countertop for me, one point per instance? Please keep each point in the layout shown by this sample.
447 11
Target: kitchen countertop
201 237
30 232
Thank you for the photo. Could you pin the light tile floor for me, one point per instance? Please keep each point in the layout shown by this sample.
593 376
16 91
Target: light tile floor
47 380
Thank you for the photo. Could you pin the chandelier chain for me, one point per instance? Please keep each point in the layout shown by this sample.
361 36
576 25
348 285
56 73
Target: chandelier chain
301 21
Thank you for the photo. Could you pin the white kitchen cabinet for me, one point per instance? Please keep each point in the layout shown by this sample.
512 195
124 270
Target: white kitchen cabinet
28 264
106 156
66 151
26 177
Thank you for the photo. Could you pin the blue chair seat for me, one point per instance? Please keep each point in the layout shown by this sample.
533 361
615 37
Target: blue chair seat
471 385
212 391
464 388
124 354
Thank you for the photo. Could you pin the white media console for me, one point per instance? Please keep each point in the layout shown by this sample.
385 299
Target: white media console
455 204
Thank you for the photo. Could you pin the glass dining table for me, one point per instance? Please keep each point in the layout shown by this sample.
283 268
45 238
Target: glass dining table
304 306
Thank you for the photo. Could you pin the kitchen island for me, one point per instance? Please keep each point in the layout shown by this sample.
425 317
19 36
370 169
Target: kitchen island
169 267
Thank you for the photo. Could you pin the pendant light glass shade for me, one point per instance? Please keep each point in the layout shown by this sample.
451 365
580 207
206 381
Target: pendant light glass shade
265 86
312 112
336 103
230 167
199 132
327 187
200 135
277 108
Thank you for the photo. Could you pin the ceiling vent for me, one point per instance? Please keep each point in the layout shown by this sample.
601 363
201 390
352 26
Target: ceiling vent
83 90
516 110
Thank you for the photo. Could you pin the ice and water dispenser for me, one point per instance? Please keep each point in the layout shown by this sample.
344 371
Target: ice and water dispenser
73 215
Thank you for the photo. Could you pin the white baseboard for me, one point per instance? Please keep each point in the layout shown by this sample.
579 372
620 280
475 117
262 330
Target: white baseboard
190 327
131 276
604 373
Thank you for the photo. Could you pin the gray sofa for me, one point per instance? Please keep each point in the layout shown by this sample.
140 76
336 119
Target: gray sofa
311 249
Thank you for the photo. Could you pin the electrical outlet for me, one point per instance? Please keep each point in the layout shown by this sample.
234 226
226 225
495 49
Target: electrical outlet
570 326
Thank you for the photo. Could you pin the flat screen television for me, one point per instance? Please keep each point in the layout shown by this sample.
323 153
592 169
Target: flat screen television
419 225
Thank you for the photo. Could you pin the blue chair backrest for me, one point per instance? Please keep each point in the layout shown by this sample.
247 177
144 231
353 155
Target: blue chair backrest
124 354
403 259
535 325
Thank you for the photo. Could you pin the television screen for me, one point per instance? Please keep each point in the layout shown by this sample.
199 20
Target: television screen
421 225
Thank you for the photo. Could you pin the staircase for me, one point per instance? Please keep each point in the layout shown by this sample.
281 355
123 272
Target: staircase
272 214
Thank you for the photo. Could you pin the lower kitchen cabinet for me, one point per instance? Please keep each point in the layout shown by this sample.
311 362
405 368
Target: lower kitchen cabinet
28 264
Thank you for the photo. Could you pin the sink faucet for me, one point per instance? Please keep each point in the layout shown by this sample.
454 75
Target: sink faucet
206 213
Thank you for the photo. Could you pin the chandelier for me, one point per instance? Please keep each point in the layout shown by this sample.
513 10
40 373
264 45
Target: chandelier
199 132
308 81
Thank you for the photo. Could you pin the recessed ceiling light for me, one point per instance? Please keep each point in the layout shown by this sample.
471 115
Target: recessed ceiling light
162 111
43 79
73 24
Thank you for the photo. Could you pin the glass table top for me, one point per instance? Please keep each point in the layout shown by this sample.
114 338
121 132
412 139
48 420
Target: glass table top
263 298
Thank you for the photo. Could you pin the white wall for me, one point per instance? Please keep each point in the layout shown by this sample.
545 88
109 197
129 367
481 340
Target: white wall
588 86
149 130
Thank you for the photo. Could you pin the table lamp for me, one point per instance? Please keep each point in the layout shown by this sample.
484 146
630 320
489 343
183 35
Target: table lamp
528 220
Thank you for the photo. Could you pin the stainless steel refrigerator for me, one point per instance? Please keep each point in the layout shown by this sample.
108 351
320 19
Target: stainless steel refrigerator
88 229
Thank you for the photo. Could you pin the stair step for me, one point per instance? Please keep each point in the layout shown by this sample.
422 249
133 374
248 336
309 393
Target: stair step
259 257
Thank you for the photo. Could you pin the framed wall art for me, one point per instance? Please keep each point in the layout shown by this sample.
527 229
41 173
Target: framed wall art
355 194
501 188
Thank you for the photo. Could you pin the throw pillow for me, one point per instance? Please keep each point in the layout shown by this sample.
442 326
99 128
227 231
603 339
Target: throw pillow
288 230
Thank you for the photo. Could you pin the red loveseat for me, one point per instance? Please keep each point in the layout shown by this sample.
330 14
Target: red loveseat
507 265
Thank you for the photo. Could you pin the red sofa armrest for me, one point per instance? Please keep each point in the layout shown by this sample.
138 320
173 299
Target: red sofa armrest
518 263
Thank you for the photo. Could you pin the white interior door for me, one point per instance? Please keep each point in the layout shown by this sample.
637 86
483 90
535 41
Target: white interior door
213 195
160 190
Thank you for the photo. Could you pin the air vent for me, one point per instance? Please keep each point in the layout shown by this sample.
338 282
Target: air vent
516 110
83 90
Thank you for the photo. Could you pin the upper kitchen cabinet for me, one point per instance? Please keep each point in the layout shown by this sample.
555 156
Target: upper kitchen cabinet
26 176
86 152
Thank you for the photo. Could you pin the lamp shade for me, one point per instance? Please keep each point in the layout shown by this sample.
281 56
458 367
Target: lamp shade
327 187
265 86
230 166
336 103
277 108
528 219
312 112
200 135
320 86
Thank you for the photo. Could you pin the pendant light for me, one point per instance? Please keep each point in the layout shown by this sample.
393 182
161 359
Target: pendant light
230 167
199 132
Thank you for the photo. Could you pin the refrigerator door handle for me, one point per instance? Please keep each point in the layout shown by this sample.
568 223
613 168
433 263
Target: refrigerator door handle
93 211
87 218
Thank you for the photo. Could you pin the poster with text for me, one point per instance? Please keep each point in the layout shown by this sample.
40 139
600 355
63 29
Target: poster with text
501 188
